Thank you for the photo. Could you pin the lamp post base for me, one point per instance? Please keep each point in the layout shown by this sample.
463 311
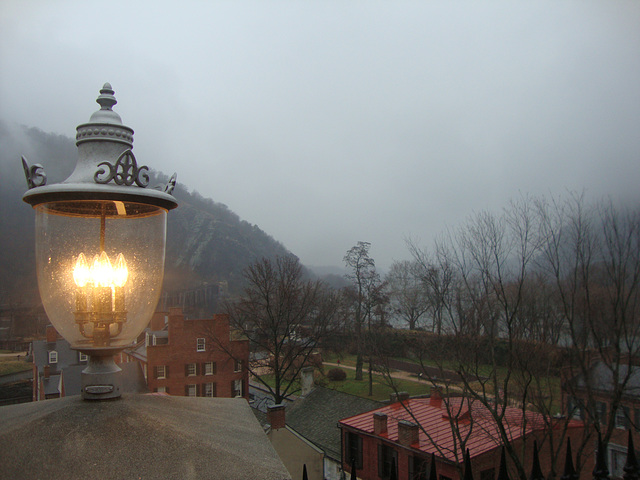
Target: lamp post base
102 379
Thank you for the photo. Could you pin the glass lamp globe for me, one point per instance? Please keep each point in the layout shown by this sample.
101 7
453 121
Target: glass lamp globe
100 246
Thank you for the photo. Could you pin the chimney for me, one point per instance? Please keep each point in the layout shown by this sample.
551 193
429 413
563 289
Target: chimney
407 433
403 396
306 381
52 334
275 416
46 372
158 321
379 423
435 400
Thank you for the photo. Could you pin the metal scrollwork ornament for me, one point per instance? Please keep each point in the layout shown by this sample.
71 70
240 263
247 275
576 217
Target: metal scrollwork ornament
34 174
171 184
124 172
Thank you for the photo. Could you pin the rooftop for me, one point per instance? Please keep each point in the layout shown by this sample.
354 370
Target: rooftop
435 419
138 436
316 416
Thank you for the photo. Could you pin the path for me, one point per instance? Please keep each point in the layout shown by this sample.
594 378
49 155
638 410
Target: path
397 374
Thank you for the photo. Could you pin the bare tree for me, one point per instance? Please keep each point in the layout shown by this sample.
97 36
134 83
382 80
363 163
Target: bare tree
497 317
406 292
285 318
365 283
592 257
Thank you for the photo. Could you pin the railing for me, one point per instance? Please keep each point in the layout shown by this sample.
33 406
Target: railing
600 471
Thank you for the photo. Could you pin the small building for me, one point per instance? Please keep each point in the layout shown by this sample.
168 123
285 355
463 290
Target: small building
194 358
304 430
57 369
407 432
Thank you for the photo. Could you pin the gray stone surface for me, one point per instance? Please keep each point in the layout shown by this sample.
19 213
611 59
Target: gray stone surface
136 437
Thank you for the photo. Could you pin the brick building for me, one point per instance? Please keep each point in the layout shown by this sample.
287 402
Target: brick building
395 435
197 358
597 391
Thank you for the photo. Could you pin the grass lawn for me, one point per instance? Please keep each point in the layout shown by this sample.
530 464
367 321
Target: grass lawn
381 390
11 365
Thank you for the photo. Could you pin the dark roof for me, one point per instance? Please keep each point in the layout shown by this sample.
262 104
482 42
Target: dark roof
316 416
138 436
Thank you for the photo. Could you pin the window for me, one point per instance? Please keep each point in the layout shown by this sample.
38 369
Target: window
622 417
191 390
601 412
53 356
236 388
209 390
353 449
418 468
575 408
237 367
82 357
209 368
387 459
161 389
200 347
617 460
190 370
161 371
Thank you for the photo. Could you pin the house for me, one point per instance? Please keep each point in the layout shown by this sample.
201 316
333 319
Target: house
57 369
599 382
395 435
304 430
195 358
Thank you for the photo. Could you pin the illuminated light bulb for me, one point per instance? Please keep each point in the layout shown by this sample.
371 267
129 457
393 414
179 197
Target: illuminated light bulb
101 271
81 271
120 272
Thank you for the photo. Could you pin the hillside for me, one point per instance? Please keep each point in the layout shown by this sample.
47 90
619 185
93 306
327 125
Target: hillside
206 242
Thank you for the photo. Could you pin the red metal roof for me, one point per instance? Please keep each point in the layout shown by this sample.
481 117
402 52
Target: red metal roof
474 421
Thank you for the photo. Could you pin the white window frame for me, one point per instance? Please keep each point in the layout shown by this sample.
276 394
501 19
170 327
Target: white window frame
192 390
622 419
83 357
201 345
617 452
161 389
208 390
53 356
237 366
237 386
190 367
208 368
161 368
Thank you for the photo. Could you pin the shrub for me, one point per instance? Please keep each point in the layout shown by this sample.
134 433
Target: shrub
337 374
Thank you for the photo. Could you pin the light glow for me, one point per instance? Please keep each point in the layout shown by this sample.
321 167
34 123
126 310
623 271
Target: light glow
101 273
81 272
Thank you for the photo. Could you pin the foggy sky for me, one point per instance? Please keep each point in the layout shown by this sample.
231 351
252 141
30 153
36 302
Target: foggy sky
330 122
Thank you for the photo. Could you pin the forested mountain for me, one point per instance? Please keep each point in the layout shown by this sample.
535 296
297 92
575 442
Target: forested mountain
206 242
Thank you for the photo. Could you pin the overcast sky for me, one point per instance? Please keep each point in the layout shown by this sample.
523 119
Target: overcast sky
329 122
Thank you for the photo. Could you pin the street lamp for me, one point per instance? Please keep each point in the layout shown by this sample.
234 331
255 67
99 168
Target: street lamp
100 245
